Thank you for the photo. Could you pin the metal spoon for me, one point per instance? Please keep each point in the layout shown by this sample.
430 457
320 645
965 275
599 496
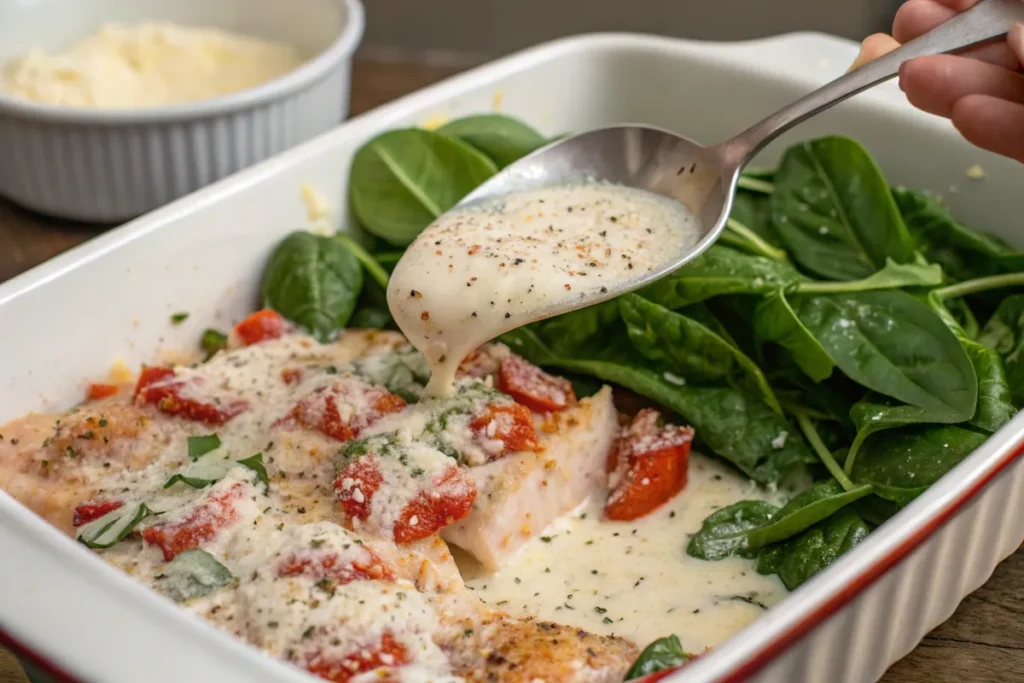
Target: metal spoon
704 178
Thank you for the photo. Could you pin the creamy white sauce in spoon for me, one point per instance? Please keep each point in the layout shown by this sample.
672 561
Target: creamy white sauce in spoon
480 271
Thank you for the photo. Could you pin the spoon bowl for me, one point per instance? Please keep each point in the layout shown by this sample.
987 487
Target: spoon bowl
704 178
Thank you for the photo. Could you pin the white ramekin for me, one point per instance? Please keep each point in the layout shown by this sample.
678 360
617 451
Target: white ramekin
107 165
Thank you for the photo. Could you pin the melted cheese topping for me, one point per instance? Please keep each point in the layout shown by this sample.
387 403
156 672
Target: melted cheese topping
146 66
480 271
634 579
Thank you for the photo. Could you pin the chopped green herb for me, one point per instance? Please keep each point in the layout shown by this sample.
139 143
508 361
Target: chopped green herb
255 463
213 341
193 574
198 446
194 482
600 610
546 539
178 318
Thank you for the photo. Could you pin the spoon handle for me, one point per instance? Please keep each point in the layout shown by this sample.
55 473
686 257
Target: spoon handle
987 20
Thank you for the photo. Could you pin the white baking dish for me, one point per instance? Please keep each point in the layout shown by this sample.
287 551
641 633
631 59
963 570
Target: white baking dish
70 318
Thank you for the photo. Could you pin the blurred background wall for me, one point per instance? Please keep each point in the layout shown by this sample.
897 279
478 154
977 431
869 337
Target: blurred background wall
466 31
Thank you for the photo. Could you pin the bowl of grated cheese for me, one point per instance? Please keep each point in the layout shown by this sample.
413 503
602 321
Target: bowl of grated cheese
110 109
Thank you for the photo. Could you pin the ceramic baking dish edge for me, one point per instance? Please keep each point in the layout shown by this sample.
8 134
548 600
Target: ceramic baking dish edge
110 300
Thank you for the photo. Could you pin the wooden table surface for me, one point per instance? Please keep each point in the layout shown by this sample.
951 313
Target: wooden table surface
982 643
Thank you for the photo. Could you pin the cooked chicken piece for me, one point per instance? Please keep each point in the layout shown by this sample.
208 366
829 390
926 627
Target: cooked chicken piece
52 463
519 495
489 645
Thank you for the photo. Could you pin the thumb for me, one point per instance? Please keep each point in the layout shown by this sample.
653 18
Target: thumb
874 46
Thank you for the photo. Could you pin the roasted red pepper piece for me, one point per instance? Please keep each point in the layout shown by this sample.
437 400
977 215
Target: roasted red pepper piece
291 375
93 510
388 654
201 524
160 387
510 424
651 463
331 566
530 386
261 326
448 499
98 391
320 409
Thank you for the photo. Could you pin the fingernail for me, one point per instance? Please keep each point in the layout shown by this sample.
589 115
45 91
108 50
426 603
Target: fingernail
902 73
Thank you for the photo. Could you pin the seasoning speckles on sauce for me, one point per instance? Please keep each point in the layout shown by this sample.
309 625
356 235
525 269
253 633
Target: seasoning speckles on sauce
527 255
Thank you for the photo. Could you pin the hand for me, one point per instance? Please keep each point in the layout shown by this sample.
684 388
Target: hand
981 91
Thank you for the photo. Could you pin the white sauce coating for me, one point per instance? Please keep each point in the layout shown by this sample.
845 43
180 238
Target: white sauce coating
645 586
480 271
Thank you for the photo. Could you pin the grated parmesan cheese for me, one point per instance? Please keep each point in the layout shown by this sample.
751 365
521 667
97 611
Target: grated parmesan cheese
148 65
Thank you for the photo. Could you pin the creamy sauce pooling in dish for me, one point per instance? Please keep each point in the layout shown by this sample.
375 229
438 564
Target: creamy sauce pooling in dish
634 579
480 271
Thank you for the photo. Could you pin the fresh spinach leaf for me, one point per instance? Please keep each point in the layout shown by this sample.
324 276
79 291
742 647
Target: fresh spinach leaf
718 271
995 406
776 321
372 312
963 253
373 268
403 179
689 349
754 210
569 331
502 138
801 557
834 211
892 276
896 345
876 510
732 424
663 653
806 509
314 281
1004 333
726 532
875 413
192 574
901 463
995 400
198 446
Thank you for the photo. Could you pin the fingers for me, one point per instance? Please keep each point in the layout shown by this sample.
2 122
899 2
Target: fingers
992 124
872 48
916 17
1015 41
935 83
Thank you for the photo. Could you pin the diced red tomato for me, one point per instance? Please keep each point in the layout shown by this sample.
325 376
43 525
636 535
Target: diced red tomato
98 391
449 499
330 566
650 466
356 485
199 525
320 410
160 387
261 326
530 386
93 510
291 375
510 424
388 654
